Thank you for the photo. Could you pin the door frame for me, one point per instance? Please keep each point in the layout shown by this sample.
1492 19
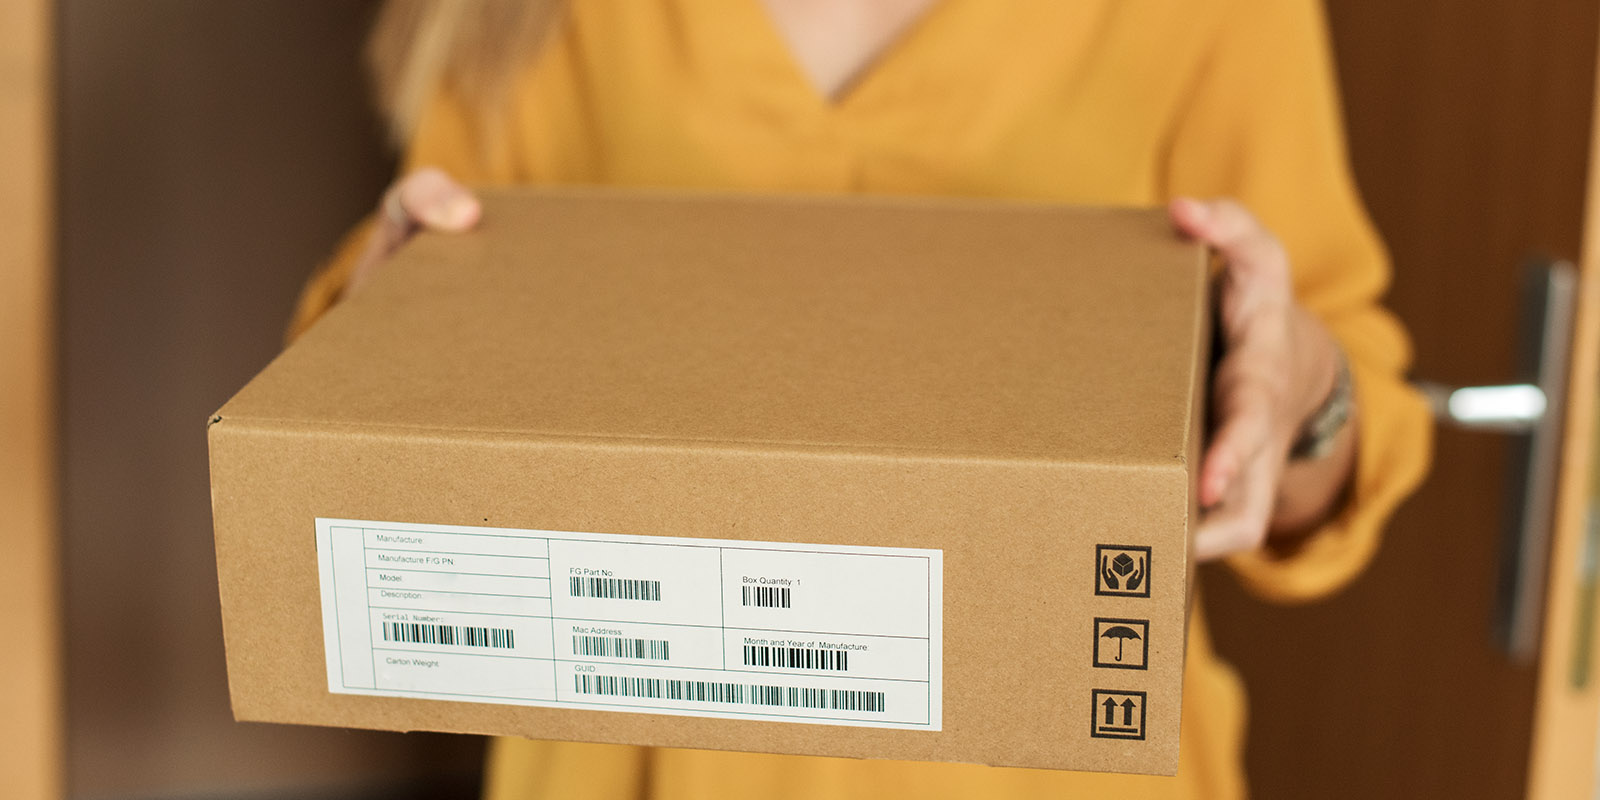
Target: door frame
31 728
1566 727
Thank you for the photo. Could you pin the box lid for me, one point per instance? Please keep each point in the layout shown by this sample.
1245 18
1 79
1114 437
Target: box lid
928 328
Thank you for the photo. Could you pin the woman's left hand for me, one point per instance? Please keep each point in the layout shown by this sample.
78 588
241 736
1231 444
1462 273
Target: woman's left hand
1278 366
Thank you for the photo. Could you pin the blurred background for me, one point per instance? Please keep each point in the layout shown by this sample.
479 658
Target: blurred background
173 169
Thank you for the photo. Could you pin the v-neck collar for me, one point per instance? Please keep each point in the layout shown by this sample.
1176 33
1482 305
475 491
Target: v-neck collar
768 43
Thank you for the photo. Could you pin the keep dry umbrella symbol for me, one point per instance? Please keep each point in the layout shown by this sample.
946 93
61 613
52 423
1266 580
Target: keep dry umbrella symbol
1122 634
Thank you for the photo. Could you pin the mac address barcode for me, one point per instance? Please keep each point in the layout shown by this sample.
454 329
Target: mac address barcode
616 589
618 647
766 596
418 633
740 693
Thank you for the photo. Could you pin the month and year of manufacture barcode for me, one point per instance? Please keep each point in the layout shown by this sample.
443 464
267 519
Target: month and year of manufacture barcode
796 657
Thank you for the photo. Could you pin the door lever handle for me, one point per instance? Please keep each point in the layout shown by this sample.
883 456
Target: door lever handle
1511 408
1531 411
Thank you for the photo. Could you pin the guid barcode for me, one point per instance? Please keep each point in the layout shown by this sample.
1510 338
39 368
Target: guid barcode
616 589
740 693
420 633
618 647
795 657
766 596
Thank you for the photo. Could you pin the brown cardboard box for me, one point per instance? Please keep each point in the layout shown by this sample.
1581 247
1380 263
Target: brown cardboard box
906 479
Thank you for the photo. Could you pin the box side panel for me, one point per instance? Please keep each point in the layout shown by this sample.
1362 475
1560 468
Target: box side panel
1029 558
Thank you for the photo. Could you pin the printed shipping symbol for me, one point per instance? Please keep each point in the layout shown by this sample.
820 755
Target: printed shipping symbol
1131 638
1117 714
1123 565
1122 570
1127 707
1122 634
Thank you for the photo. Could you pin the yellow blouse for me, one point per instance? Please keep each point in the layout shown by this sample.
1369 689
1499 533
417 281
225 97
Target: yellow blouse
1120 102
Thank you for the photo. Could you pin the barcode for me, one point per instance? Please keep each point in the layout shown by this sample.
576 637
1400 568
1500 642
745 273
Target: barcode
617 647
418 633
740 693
795 657
616 589
766 596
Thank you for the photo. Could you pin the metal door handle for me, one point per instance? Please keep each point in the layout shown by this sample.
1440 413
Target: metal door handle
1512 408
1530 410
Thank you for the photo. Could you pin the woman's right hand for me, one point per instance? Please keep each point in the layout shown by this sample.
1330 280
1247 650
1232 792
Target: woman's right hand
427 198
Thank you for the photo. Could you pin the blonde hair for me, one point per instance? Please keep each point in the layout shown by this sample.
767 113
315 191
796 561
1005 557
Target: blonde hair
470 48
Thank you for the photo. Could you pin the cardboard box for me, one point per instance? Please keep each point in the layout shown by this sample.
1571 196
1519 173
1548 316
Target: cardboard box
904 479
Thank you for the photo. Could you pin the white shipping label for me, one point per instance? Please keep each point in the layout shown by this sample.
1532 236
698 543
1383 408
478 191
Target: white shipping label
698 627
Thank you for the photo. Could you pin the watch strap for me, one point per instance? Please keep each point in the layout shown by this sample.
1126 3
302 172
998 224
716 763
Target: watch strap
1322 428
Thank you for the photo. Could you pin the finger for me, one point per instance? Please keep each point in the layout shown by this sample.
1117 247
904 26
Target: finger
1191 216
1229 530
1240 523
1230 228
430 198
1241 435
1224 460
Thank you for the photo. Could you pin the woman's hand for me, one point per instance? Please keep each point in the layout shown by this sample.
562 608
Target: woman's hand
427 198
1278 366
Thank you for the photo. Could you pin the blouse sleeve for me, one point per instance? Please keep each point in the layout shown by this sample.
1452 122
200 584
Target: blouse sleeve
1262 124
449 137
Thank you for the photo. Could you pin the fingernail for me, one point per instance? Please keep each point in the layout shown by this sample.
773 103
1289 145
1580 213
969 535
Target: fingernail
1214 490
1196 210
1217 484
460 210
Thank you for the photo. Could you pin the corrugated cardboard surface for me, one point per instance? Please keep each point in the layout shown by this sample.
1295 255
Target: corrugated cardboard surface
1012 384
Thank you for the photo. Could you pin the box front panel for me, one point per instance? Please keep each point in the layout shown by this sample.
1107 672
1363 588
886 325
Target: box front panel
1062 594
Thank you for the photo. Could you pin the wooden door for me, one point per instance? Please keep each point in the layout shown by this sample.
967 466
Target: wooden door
1470 131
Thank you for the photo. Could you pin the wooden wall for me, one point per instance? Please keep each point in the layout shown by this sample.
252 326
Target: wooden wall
210 155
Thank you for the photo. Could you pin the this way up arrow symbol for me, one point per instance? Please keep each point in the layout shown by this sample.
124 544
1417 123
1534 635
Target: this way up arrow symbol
1127 712
1111 709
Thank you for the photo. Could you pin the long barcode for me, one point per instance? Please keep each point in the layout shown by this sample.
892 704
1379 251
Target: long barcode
740 693
766 596
618 647
419 633
616 589
795 657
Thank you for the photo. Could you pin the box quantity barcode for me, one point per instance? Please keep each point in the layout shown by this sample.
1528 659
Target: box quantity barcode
618 647
616 589
795 657
766 596
419 633
740 693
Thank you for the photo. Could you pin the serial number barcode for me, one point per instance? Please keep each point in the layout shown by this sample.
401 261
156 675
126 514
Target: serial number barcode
795 657
616 589
766 596
419 633
618 647
740 693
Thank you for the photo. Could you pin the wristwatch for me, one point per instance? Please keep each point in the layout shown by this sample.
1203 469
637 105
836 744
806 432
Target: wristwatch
1322 428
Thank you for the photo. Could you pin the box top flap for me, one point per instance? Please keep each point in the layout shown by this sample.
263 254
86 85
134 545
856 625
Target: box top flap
929 328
